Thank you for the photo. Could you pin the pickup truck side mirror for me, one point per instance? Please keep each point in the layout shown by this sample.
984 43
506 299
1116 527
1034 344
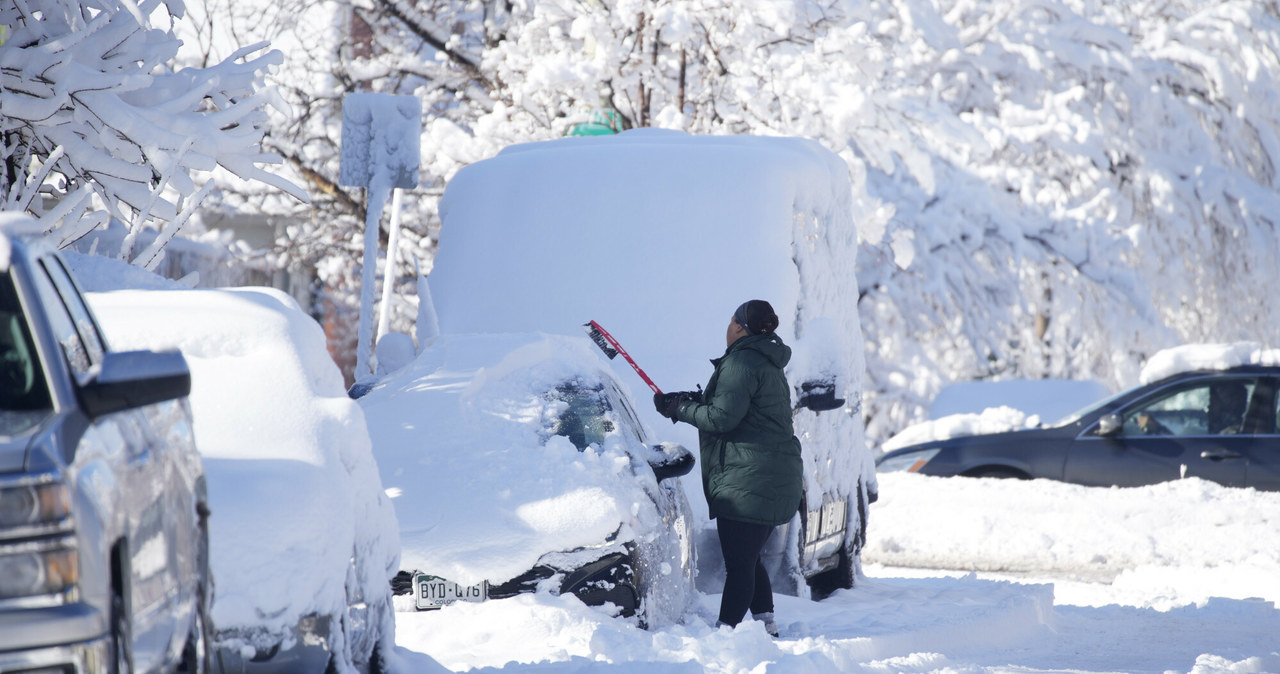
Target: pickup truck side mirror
669 459
130 379
819 396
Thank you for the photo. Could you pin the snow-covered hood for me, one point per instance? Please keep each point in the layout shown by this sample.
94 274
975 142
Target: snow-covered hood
482 488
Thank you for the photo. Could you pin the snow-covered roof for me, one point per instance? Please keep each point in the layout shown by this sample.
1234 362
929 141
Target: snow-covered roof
1207 357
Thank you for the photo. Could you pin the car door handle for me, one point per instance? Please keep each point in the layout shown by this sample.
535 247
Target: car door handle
1219 454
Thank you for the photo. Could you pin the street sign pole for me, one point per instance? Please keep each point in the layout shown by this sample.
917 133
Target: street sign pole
381 149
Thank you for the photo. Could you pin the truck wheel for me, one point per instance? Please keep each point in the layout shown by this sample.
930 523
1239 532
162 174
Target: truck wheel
121 634
197 656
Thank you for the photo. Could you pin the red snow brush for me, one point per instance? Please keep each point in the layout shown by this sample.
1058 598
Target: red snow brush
612 348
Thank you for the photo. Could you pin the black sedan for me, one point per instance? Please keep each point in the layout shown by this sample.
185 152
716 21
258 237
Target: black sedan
1217 425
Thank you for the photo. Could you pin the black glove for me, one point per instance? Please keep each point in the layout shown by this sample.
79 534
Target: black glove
668 404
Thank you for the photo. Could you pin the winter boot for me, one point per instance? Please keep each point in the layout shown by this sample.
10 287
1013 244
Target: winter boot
770 625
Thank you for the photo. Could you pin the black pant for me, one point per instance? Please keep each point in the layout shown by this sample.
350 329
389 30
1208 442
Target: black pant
746 583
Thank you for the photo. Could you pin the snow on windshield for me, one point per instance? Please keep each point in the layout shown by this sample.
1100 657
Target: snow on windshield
464 438
286 452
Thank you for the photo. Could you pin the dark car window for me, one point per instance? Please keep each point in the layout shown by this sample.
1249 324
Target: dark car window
584 418
22 382
1274 419
1217 406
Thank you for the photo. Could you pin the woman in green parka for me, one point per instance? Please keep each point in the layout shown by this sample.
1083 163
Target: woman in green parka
752 473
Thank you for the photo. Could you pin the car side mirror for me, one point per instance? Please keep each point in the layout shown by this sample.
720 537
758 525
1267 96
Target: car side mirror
131 379
819 396
669 459
1110 424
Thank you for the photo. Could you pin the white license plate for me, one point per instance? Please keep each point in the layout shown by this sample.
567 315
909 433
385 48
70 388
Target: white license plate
433 592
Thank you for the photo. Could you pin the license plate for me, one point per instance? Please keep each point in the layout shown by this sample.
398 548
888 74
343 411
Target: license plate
434 592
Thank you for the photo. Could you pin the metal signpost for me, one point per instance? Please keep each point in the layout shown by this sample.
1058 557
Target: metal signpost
381 152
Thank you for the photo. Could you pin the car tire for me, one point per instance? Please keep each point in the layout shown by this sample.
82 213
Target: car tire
845 574
998 472
377 662
197 655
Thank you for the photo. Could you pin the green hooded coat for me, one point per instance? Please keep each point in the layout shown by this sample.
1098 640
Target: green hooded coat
751 465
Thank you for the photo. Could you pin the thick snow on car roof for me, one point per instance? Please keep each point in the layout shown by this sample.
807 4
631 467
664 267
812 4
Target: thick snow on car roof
623 251
287 456
482 489
1190 357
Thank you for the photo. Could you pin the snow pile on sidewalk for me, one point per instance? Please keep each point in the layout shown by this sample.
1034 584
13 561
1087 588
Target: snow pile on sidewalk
1224 536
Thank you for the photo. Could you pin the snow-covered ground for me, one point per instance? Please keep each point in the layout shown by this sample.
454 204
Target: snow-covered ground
1026 577
961 575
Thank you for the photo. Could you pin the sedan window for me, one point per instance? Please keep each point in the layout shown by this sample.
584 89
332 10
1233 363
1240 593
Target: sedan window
1216 407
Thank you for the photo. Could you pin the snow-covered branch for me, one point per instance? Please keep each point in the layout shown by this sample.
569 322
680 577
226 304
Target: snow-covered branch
88 101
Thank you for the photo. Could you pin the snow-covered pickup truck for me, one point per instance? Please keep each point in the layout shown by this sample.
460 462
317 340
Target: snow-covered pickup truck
103 546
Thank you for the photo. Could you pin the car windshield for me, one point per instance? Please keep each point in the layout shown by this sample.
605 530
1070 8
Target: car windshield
24 396
1088 409
581 413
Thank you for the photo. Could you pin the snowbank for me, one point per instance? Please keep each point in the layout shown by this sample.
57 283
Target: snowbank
1043 527
1174 577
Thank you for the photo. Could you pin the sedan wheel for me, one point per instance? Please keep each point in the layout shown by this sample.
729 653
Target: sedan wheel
997 472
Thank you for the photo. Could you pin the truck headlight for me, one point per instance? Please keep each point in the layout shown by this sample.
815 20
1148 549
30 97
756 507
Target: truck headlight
40 568
26 504
37 553
910 462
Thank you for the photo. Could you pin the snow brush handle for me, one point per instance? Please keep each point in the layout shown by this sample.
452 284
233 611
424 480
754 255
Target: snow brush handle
612 348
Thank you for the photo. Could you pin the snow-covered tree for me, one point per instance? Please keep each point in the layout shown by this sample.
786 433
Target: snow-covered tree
97 125
1045 188
1104 183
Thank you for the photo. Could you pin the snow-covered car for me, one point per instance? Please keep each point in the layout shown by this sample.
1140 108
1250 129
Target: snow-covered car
518 464
1215 424
658 235
303 539
103 541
